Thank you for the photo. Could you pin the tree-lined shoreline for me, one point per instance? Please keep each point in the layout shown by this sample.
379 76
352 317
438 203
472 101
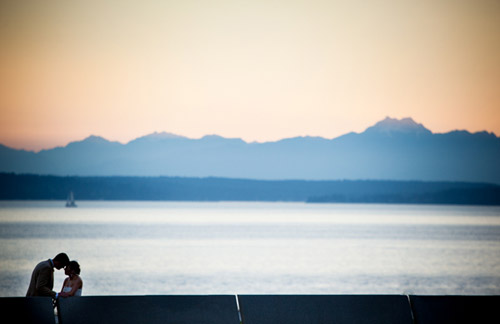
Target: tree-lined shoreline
47 187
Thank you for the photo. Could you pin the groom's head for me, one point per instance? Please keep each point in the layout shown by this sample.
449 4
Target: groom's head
60 261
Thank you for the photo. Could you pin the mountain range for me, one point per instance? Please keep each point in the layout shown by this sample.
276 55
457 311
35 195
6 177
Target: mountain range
391 149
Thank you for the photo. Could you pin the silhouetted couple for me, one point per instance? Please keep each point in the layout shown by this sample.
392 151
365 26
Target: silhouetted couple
42 278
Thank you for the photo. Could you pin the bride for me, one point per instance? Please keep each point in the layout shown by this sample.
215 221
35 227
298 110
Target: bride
73 284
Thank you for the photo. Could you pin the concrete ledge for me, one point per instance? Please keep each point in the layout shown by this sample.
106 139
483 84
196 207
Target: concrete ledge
255 309
315 309
27 309
149 309
455 309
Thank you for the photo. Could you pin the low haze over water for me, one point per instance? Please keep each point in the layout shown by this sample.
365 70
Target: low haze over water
137 248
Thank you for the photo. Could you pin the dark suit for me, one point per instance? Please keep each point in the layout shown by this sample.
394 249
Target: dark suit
42 280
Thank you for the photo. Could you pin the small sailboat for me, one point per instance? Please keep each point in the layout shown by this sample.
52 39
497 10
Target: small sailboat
71 200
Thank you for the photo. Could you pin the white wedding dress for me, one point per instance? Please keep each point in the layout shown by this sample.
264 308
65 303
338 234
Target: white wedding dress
68 289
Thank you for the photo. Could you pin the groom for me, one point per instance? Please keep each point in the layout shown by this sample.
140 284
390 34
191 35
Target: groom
42 278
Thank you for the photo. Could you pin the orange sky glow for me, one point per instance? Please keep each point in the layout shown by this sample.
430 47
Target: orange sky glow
258 70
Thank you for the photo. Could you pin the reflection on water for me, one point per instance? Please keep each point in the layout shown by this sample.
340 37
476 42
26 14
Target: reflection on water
217 248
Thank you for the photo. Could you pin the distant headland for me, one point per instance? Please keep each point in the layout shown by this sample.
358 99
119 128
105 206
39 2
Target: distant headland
35 187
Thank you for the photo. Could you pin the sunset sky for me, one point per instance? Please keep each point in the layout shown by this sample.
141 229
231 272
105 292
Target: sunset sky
260 70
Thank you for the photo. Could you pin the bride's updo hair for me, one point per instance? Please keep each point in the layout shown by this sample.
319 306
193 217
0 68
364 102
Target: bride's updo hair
75 267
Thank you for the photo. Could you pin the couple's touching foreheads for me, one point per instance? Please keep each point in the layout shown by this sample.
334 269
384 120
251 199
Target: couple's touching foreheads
42 278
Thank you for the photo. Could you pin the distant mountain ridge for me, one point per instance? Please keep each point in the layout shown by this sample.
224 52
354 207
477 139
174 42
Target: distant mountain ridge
391 149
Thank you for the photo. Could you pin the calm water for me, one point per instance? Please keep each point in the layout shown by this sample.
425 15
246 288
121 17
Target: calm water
235 248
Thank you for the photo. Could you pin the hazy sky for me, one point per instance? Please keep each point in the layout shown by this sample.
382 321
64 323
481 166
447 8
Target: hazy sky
258 70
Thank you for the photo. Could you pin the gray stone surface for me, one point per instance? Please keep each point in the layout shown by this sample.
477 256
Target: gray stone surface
317 309
149 309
